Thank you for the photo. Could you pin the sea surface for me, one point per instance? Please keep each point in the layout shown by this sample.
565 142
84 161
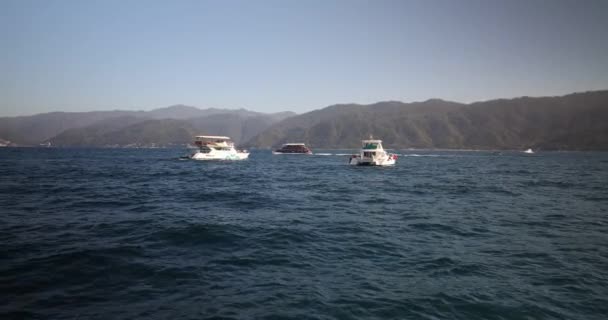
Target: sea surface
140 234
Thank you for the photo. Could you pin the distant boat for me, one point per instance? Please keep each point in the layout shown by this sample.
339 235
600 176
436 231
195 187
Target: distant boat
46 144
293 148
217 148
529 151
372 154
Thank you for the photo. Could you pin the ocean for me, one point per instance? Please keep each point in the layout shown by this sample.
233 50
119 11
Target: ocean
140 234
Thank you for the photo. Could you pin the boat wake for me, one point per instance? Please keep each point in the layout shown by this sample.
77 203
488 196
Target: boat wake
420 155
397 154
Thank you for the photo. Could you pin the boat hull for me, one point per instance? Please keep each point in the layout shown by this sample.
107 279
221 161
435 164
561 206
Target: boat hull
219 156
279 152
358 161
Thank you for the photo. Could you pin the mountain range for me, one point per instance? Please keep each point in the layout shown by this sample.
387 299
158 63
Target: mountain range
170 126
577 121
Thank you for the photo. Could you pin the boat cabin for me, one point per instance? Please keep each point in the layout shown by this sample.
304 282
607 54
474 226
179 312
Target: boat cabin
370 148
293 148
205 143
213 140
372 145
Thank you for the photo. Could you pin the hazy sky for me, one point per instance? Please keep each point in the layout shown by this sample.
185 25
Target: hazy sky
293 55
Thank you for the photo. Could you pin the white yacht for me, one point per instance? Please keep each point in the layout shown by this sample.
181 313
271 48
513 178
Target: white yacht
217 148
529 151
373 154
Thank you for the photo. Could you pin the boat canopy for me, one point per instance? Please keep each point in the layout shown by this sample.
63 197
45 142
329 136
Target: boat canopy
212 138
372 144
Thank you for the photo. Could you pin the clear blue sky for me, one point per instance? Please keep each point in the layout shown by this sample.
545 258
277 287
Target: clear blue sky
293 55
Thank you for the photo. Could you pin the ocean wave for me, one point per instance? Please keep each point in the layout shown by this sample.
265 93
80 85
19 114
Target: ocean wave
96 234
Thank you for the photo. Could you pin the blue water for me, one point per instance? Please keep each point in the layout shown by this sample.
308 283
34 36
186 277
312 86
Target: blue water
125 234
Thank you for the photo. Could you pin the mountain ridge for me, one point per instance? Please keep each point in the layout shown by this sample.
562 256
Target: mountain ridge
41 128
577 121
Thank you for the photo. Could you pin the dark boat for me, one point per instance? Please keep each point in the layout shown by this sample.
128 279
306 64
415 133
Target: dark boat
293 148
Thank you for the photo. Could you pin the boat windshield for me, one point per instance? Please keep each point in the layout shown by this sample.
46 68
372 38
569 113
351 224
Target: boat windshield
293 146
370 146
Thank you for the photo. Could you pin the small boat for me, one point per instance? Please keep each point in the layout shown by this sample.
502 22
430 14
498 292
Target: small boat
293 148
372 154
217 148
529 151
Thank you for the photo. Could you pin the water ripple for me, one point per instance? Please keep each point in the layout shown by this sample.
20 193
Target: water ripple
125 234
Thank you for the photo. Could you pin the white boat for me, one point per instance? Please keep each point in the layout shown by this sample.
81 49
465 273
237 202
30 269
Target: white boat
217 148
529 151
373 154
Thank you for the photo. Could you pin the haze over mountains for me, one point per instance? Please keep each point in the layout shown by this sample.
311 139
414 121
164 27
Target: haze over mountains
577 121
175 125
